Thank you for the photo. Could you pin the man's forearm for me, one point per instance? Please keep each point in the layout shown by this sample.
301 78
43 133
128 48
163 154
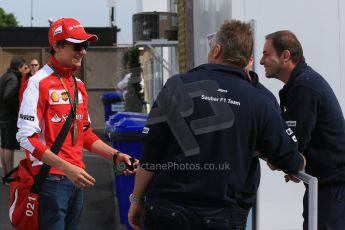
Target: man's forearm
53 160
75 174
101 148
142 180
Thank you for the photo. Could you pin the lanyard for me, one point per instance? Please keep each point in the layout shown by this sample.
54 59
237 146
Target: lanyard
73 104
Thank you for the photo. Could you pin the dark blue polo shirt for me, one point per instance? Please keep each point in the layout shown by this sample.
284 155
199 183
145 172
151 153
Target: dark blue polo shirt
312 111
201 136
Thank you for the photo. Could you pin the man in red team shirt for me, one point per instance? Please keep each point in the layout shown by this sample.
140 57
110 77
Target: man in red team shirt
42 114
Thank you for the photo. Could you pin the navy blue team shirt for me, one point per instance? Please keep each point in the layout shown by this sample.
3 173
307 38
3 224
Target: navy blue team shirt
312 111
201 135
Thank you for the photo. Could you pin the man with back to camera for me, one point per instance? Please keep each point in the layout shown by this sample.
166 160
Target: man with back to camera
197 164
9 106
41 117
312 111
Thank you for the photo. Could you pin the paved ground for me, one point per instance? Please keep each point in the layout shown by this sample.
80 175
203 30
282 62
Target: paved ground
100 207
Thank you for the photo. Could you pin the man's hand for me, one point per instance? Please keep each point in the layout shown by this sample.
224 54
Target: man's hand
272 167
294 178
79 176
291 178
122 157
135 216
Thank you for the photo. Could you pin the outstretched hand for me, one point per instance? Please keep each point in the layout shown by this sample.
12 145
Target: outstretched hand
79 176
122 157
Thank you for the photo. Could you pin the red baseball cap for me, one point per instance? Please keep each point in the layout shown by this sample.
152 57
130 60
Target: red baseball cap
70 30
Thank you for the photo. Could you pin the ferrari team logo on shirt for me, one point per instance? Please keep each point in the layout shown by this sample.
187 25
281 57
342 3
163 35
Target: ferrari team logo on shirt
59 97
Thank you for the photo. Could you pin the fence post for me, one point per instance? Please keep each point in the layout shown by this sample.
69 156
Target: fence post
312 198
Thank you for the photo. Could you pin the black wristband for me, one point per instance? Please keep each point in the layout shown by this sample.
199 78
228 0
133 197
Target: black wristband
116 154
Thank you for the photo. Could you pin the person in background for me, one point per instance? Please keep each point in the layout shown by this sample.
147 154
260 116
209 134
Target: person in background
200 139
26 69
9 106
42 114
311 109
133 92
132 85
34 67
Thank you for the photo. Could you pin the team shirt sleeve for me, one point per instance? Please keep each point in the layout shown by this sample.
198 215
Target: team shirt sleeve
30 117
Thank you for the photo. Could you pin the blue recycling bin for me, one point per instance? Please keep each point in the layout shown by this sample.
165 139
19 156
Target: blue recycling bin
112 102
115 119
126 137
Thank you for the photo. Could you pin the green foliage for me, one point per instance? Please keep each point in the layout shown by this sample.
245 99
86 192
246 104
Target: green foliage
7 19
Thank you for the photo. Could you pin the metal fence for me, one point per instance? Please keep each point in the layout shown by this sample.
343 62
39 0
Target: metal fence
312 183
312 198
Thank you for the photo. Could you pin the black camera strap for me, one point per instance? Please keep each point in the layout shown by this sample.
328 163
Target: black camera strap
39 178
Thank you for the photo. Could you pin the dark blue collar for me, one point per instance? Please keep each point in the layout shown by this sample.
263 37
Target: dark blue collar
296 71
294 74
224 69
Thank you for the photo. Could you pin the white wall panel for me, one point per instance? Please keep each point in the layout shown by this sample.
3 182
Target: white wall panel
208 16
342 52
320 27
